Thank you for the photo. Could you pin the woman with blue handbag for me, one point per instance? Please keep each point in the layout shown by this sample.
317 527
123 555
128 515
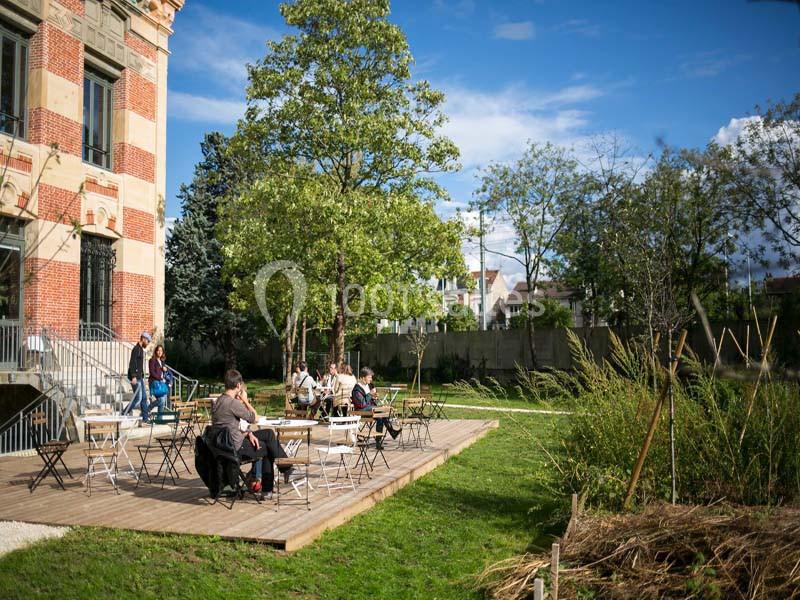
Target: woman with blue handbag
159 389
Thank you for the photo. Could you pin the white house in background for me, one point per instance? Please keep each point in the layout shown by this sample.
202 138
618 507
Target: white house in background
571 298
457 292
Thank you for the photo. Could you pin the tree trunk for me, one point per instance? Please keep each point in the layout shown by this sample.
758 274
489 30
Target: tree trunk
529 327
303 341
337 332
229 351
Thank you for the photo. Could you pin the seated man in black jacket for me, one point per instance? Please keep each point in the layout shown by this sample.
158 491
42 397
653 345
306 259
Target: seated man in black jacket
226 411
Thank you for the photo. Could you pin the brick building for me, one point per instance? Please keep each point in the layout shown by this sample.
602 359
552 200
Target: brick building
82 227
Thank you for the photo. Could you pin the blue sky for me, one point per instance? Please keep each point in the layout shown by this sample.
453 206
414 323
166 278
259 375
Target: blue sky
514 70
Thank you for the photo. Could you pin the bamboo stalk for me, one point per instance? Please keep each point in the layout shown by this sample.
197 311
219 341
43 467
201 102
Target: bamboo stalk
763 368
758 328
637 470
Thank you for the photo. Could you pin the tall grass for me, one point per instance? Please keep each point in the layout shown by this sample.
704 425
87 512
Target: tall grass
613 402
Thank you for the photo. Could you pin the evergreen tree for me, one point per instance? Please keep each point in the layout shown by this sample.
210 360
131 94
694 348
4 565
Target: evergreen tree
196 297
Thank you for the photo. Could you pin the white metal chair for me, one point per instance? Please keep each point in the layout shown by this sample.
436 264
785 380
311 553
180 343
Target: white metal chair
348 427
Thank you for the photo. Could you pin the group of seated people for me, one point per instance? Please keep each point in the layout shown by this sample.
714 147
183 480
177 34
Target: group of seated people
338 381
233 407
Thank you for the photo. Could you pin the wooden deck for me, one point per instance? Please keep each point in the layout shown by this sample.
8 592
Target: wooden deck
185 508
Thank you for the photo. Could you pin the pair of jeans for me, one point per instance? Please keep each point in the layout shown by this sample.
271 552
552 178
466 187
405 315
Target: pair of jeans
157 402
139 399
269 449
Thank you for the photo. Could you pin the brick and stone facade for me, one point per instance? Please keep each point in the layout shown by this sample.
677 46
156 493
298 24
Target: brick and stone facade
127 41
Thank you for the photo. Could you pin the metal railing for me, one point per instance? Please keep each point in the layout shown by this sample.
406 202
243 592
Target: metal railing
86 382
101 341
12 345
76 375
15 436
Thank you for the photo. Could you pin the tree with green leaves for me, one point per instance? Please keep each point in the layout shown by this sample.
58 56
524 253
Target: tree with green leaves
549 314
460 317
338 96
197 307
535 195
764 165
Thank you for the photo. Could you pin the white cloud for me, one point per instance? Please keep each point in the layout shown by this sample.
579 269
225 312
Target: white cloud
521 30
496 126
729 133
219 45
708 64
582 27
203 109
457 8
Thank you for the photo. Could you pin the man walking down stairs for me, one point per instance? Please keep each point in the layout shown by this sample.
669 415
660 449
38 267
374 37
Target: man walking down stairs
136 377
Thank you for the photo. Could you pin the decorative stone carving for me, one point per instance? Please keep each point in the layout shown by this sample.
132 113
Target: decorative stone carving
63 18
33 7
141 65
162 11
104 31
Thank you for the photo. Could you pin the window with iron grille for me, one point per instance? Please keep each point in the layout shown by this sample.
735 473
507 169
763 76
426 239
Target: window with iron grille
13 83
98 259
97 95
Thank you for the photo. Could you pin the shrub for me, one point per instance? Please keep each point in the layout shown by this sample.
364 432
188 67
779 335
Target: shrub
721 452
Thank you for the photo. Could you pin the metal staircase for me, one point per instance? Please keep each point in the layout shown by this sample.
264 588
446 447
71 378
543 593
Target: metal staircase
74 376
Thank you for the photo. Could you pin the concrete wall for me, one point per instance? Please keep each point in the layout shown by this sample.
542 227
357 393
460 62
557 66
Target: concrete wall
497 353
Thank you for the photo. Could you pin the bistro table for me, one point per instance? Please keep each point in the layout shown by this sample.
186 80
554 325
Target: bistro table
285 423
126 423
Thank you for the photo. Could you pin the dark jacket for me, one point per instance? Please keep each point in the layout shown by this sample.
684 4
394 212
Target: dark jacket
156 370
215 461
136 364
361 399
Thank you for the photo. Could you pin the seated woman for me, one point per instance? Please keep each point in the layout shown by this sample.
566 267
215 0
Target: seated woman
226 411
305 385
364 398
157 380
345 382
329 385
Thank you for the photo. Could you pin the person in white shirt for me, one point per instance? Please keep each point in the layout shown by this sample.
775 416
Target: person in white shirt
304 386
329 382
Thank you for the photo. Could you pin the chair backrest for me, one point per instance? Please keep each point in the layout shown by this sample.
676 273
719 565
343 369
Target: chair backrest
412 406
35 420
294 437
347 426
344 423
101 430
381 412
185 410
37 417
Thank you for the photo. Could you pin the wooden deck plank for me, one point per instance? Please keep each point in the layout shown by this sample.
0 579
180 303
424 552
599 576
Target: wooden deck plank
184 508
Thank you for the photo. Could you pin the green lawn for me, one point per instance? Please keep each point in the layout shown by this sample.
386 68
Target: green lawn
427 541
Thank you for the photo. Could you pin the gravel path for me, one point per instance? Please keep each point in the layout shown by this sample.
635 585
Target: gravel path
14 534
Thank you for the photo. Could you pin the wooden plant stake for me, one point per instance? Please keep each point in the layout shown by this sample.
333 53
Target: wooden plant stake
538 589
554 557
637 470
763 369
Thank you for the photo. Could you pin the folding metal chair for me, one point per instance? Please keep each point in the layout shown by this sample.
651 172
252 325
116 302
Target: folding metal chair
50 451
285 435
413 420
180 437
231 464
348 427
166 417
102 437
368 434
